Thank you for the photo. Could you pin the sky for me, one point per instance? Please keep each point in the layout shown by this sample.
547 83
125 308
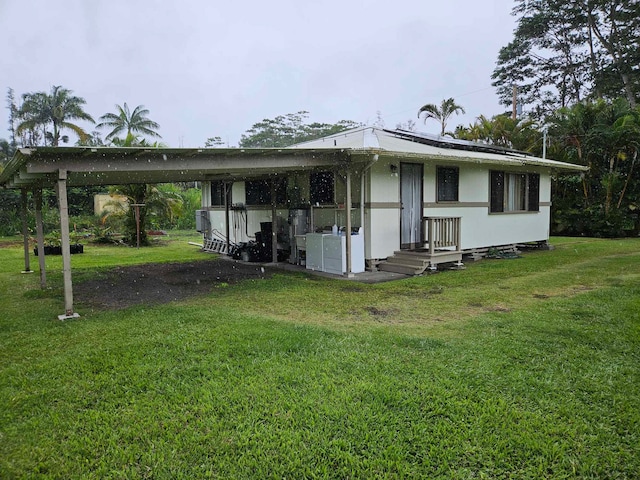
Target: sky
207 68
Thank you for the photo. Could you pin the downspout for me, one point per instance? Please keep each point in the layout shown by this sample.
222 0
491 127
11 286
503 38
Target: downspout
362 195
347 208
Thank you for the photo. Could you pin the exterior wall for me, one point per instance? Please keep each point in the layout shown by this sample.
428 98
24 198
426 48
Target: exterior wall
479 227
382 209
246 221
243 223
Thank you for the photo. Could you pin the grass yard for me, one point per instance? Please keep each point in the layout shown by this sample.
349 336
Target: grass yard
523 368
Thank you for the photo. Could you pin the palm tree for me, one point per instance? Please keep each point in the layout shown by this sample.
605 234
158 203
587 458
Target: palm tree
129 122
442 113
503 131
154 201
39 110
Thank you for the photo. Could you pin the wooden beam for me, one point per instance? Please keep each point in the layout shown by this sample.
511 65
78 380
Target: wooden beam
40 237
25 230
157 161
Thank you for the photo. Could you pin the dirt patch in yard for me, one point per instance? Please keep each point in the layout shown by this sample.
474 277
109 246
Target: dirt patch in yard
157 283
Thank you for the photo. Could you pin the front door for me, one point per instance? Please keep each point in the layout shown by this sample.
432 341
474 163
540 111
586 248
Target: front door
410 205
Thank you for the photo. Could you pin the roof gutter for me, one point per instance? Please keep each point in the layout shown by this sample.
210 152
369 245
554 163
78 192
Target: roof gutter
510 162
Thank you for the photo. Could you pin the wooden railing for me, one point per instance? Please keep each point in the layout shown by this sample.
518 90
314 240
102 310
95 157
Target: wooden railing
441 232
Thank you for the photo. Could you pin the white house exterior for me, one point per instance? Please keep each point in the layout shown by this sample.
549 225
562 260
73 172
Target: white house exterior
406 193
400 178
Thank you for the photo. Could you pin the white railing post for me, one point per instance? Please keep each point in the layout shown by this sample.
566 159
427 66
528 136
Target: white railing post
442 232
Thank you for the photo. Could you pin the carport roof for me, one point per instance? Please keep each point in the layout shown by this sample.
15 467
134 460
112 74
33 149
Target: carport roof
39 166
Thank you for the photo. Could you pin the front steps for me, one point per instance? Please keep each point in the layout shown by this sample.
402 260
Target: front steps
415 262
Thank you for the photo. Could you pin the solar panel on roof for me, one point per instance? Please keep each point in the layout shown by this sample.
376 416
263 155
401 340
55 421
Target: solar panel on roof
454 143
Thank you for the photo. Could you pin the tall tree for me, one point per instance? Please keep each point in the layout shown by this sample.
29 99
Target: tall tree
45 115
214 142
285 130
440 113
564 52
129 122
154 201
605 136
13 112
616 25
6 152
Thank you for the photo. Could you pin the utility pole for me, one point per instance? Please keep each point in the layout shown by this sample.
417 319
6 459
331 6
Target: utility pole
515 102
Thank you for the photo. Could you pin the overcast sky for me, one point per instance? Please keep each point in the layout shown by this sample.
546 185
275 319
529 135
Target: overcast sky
211 68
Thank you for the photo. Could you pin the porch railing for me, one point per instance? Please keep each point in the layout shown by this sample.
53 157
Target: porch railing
441 233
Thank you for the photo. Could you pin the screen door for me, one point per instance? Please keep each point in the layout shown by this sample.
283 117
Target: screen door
410 205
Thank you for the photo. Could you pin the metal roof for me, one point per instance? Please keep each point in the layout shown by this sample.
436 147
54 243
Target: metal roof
39 166
122 165
416 145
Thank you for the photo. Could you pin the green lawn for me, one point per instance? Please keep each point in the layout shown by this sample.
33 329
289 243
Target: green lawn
524 368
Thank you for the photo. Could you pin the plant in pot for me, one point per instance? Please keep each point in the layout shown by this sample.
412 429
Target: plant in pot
53 244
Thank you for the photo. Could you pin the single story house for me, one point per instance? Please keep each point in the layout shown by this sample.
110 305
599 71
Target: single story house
366 196
415 199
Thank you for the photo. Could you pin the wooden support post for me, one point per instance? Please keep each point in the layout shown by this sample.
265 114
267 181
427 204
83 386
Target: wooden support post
137 215
40 237
63 207
25 230
347 209
430 235
227 190
274 224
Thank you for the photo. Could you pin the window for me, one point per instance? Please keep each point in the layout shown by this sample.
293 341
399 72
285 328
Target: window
217 194
321 188
514 192
447 186
258 192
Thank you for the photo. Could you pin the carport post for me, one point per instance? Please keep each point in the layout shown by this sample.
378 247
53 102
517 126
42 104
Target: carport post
25 230
61 191
227 231
37 194
274 222
347 208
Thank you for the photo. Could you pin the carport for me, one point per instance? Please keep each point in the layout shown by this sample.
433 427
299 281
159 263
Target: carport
33 169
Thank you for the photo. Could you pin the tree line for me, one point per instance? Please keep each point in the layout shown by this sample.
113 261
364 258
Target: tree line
42 118
573 66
